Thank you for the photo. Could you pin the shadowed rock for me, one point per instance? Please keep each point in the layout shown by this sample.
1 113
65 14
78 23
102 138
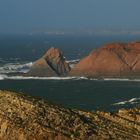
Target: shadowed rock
112 60
26 118
51 64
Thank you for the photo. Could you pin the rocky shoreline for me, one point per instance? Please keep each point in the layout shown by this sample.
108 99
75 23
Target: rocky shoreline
24 117
114 60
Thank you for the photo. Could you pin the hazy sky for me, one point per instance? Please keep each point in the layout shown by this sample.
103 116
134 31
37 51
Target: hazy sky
29 15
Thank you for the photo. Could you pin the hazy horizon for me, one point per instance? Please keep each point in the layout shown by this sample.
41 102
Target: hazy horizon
27 16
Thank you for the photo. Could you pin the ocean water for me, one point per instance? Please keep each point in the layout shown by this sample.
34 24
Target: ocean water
17 54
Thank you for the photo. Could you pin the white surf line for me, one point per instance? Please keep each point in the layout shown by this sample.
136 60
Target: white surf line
2 77
38 78
130 101
118 79
73 61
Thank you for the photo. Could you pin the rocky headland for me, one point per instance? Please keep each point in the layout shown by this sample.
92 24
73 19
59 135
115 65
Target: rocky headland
27 118
51 64
114 60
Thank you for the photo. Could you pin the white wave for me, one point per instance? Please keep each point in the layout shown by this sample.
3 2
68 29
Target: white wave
121 103
115 79
110 79
39 78
73 61
15 67
82 78
130 101
2 77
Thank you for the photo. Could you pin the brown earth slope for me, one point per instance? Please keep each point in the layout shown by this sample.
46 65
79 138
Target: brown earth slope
26 118
112 60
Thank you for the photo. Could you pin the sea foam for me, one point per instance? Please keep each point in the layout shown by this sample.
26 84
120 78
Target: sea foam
130 101
3 77
15 67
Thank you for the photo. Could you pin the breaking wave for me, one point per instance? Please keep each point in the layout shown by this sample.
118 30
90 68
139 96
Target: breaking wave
73 62
130 101
15 67
2 77
117 79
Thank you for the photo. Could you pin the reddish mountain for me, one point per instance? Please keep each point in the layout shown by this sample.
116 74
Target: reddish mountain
112 60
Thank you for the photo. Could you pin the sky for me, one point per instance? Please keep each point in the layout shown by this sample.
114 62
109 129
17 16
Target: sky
19 16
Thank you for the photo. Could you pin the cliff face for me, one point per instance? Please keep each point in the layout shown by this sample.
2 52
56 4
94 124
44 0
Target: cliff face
26 118
51 64
112 60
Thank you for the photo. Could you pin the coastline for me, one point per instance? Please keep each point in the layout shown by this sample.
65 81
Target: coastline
20 76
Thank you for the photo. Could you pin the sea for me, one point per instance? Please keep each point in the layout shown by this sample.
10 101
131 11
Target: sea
19 52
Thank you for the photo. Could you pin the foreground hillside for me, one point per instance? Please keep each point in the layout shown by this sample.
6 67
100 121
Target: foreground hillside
27 118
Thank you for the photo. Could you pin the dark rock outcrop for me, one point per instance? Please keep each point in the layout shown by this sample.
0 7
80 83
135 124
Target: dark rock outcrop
112 60
51 64
26 118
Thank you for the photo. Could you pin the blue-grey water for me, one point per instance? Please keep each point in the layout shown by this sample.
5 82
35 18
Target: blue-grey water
18 52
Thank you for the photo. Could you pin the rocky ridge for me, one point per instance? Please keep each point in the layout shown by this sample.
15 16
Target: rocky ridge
51 64
27 118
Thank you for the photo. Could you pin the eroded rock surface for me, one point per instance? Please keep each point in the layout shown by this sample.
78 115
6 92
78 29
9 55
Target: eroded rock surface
26 118
51 64
112 60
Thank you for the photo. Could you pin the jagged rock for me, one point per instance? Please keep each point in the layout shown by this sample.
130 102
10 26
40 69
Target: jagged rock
51 64
112 60
26 118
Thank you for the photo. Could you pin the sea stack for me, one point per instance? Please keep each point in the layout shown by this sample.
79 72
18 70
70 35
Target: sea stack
113 60
51 64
